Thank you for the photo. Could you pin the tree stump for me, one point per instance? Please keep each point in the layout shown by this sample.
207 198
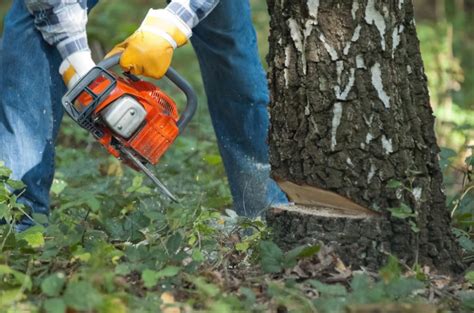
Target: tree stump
358 241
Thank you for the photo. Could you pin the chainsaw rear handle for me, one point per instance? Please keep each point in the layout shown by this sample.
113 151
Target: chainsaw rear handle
178 80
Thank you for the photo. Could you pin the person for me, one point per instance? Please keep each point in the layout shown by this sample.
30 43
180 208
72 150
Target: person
44 49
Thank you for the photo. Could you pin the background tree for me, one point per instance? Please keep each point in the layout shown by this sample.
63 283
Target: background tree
351 114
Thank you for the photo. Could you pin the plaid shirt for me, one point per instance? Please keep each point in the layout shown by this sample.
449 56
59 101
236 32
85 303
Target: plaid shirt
63 22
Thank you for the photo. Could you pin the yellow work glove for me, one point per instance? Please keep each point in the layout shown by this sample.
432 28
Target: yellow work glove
75 66
149 50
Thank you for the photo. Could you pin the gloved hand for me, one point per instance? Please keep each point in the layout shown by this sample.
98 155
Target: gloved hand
150 49
75 66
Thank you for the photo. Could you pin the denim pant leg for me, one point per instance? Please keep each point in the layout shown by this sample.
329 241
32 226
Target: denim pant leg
237 92
30 107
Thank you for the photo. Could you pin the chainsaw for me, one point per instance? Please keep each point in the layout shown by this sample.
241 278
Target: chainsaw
133 119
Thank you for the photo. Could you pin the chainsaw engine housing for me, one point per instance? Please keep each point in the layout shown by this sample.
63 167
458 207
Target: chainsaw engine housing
130 113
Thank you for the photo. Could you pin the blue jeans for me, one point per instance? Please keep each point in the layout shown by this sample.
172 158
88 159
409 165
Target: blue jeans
235 83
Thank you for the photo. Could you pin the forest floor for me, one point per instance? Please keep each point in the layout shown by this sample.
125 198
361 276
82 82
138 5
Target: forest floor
114 245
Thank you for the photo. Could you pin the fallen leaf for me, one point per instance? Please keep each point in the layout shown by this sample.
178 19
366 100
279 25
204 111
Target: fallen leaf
168 303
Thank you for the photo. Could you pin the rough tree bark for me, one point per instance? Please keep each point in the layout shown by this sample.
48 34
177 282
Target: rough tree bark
350 114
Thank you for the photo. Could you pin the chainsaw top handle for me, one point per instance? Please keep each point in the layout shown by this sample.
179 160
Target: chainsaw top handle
82 117
177 79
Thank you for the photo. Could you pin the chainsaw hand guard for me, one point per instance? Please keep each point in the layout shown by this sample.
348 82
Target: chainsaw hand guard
102 70
82 114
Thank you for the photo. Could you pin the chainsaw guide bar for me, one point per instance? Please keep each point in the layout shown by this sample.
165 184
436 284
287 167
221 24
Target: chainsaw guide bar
148 173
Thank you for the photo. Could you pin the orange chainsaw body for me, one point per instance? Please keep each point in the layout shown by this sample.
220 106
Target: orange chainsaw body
133 119
156 133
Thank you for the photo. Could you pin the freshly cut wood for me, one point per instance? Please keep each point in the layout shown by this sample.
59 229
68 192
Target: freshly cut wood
316 215
320 199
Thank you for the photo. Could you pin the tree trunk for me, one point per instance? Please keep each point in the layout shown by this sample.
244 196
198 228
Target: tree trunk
429 10
350 114
469 6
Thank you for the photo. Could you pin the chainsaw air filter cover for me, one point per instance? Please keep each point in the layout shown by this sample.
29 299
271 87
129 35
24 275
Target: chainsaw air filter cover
124 116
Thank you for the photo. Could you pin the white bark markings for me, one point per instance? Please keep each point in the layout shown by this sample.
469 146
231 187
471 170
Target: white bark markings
368 138
376 18
400 4
342 96
372 16
417 192
299 37
354 38
349 162
336 121
387 145
332 52
378 84
296 36
355 8
313 7
371 174
396 38
295 33
287 64
360 61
